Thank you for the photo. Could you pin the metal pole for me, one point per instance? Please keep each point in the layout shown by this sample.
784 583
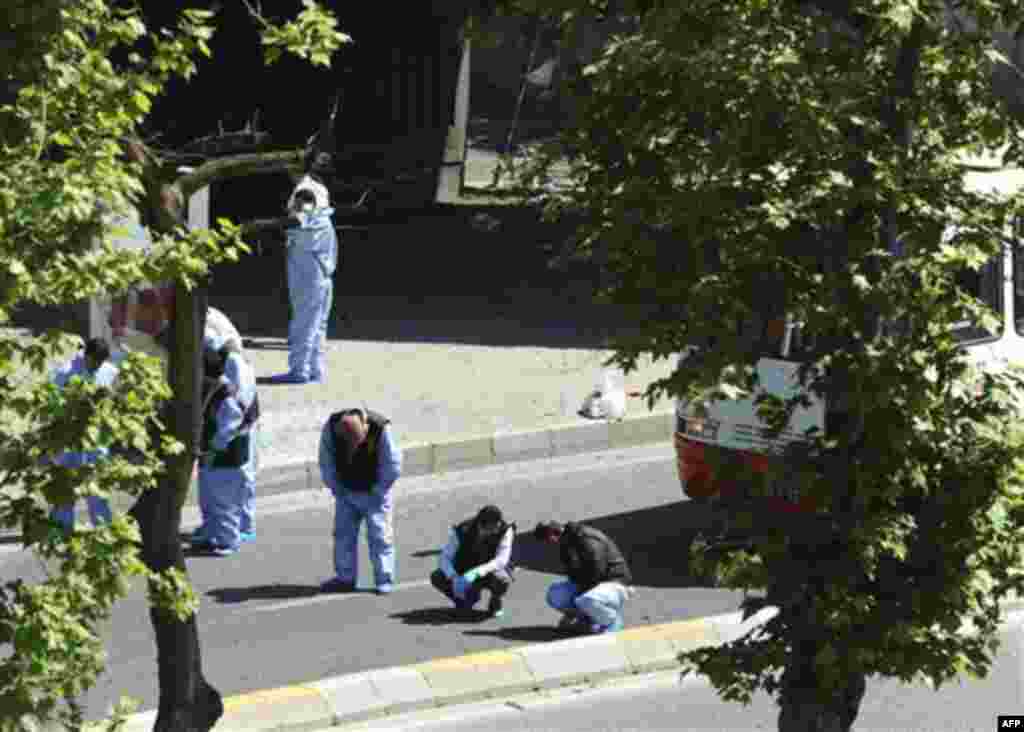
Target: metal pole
519 103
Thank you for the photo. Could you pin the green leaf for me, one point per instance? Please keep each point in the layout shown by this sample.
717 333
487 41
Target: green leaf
142 101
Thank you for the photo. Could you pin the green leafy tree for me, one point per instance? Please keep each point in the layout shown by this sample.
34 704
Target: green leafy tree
79 78
746 158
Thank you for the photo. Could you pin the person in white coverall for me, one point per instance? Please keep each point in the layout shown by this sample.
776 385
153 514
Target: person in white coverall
92 365
240 375
226 462
312 259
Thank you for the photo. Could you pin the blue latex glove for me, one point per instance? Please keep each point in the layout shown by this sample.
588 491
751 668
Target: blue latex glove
459 587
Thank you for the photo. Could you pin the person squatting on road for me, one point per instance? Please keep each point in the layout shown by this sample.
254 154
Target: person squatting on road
91 365
359 463
226 463
477 557
312 259
593 596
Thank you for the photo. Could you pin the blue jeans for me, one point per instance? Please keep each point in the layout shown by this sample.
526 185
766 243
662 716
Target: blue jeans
350 510
601 605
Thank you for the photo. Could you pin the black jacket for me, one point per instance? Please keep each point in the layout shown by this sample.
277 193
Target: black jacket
360 473
591 558
475 550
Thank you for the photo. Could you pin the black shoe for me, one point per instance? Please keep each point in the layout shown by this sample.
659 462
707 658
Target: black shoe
494 607
573 624
207 548
337 586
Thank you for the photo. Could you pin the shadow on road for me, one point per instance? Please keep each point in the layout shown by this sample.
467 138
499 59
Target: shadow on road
656 542
229 595
525 634
440 616
433 276
437 277
426 553
265 345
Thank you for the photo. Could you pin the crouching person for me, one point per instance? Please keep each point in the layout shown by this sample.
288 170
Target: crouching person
477 557
594 595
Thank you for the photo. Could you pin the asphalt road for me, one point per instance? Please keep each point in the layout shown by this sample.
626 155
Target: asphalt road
262 623
663 702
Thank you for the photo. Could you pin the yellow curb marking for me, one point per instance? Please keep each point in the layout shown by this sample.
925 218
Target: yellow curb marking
446 664
683 626
271 696
692 634
496 658
643 633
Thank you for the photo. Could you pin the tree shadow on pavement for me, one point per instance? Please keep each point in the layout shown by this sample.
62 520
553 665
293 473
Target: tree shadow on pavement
229 595
526 633
426 553
440 616
457 283
656 542
265 344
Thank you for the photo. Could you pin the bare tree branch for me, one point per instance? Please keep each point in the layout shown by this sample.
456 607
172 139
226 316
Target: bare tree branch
239 166
262 226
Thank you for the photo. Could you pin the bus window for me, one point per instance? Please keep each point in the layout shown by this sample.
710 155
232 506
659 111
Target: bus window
776 337
986 285
1018 275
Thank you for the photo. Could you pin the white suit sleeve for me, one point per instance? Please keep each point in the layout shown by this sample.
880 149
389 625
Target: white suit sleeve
328 461
390 463
502 558
448 554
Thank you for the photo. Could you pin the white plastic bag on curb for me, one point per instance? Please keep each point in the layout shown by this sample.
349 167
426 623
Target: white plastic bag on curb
607 401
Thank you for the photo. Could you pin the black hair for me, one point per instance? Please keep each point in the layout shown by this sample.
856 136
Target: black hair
98 349
544 529
213 363
489 515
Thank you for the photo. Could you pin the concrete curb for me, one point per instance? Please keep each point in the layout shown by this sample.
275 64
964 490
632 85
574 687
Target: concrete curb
467 452
473 451
476 677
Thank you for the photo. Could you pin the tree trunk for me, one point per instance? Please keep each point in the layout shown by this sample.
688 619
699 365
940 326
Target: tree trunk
802 710
188 703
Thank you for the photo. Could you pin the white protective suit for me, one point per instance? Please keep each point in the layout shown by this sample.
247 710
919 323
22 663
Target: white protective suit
312 260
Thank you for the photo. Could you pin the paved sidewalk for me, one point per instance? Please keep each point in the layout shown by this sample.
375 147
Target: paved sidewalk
436 393
473 340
